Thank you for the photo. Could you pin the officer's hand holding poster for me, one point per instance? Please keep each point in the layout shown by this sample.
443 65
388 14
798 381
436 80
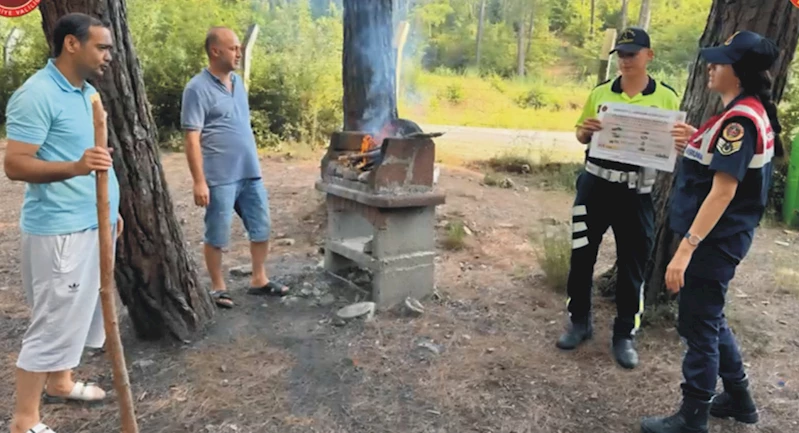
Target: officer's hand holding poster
637 135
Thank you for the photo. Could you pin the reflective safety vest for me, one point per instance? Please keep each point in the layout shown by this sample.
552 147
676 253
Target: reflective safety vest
702 144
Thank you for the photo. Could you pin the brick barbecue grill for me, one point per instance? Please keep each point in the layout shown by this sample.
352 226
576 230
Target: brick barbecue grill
381 209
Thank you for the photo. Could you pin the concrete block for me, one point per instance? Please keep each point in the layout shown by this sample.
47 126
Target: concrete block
406 231
391 286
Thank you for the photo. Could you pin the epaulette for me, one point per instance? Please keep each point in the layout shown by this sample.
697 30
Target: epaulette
669 87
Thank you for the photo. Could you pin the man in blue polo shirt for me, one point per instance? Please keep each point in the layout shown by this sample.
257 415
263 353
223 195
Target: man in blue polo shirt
51 148
220 148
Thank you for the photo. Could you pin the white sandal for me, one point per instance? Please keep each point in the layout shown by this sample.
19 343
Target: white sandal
82 391
40 428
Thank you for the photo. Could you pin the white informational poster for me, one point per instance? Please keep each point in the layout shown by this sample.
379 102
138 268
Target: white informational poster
633 134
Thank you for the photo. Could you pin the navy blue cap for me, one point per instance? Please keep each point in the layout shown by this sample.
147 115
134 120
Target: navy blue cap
740 45
631 40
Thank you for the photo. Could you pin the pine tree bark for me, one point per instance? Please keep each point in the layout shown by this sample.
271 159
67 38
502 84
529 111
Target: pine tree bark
155 274
775 19
369 65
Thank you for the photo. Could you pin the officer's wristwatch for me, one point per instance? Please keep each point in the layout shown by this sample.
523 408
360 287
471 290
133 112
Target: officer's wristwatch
693 240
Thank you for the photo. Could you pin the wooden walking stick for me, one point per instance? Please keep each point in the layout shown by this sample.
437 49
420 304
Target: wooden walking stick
113 341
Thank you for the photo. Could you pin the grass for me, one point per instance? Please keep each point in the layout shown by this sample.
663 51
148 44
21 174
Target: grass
787 279
536 167
455 238
786 276
468 100
554 255
492 179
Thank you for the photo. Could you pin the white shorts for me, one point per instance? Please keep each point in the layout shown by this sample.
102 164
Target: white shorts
61 279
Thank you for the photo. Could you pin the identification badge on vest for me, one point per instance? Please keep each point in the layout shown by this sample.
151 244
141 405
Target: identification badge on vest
733 132
730 141
727 148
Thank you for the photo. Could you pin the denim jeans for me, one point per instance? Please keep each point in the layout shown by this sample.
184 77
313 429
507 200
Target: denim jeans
249 199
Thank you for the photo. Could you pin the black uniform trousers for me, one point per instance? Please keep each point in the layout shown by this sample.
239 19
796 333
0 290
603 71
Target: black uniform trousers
600 204
712 350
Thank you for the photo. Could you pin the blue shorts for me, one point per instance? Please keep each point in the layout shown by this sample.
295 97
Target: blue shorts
249 199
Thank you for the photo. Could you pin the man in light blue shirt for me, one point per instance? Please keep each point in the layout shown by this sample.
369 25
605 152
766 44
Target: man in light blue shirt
224 165
50 126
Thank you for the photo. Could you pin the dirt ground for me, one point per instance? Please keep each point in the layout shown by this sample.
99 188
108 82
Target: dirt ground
481 358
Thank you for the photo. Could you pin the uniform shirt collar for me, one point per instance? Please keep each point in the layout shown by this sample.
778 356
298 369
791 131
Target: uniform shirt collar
60 79
735 101
650 87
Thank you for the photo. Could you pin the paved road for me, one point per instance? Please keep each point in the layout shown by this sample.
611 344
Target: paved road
471 143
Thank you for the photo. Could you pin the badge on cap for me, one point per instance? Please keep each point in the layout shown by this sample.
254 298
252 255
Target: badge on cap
733 132
626 37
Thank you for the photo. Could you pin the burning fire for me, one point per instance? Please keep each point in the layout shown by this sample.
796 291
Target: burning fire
367 144
370 143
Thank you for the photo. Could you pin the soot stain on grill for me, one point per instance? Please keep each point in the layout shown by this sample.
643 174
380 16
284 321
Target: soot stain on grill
381 199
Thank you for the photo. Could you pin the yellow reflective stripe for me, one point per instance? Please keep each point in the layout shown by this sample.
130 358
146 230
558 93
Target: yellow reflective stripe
640 309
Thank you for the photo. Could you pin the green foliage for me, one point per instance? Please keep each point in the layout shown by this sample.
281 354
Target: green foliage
295 82
294 89
29 54
455 238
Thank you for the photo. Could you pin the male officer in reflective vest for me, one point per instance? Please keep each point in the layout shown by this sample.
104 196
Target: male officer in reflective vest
617 195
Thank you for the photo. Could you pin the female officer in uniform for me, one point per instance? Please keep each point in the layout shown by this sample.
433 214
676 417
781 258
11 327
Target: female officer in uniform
719 197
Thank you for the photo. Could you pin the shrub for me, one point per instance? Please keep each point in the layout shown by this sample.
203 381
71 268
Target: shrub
453 93
455 238
556 256
535 98
29 55
295 79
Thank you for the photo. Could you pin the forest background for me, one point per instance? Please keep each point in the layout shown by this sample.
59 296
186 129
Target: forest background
515 64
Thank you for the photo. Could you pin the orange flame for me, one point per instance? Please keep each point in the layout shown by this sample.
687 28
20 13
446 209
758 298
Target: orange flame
369 142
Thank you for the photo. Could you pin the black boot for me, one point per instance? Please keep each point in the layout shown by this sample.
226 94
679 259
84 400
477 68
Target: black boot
624 352
579 331
735 402
691 418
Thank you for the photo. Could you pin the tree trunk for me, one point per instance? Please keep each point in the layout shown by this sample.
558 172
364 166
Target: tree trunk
645 14
14 36
593 14
775 19
480 23
624 5
368 66
530 30
155 273
520 48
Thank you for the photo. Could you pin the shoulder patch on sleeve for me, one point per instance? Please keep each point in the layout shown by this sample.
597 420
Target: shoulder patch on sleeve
669 87
727 148
733 132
